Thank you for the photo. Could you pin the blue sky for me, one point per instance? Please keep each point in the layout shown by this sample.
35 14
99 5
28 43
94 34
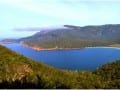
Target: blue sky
41 13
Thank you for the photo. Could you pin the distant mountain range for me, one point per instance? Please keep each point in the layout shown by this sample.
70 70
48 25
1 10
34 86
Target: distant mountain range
71 36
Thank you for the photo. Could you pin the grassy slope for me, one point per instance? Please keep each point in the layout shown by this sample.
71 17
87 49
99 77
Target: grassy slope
17 71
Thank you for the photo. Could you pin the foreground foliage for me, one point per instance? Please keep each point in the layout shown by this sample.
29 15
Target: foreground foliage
17 71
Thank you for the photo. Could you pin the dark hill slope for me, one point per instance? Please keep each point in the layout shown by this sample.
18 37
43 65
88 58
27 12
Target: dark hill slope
17 71
76 37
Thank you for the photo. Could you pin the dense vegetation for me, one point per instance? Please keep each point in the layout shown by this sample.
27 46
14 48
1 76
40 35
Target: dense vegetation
17 71
76 37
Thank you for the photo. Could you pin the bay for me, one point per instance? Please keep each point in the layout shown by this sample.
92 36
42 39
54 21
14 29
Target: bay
81 59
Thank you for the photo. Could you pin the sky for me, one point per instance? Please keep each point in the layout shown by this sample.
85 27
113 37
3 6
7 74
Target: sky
15 14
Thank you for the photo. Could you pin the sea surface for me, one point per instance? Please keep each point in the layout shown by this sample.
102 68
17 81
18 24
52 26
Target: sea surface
80 59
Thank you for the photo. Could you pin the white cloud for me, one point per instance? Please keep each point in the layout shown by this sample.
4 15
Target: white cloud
31 13
74 10
51 8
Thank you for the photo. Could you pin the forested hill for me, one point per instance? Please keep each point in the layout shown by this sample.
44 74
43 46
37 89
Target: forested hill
17 71
76 37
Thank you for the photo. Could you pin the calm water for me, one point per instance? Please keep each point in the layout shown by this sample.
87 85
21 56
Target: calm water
82 59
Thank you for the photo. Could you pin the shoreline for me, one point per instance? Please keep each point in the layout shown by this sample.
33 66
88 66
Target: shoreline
105 47
50 49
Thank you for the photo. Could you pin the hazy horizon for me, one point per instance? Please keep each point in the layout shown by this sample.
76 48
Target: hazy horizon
44 13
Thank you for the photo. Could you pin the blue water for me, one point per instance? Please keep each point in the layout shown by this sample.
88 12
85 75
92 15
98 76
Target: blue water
82 59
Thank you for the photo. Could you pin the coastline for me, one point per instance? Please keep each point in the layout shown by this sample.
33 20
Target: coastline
48 49
105 47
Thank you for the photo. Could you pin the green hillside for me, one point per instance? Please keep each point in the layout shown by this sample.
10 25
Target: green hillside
76 37
17 71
